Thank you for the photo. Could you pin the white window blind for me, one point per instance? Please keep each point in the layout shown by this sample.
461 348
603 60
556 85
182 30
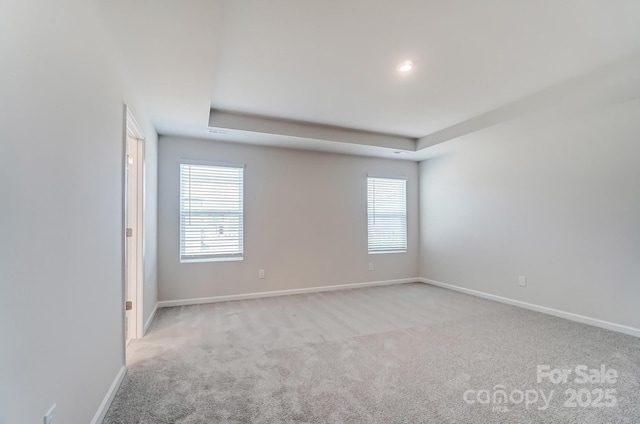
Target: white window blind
211 212
387 214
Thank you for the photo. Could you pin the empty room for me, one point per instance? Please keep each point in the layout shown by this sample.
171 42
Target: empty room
306 211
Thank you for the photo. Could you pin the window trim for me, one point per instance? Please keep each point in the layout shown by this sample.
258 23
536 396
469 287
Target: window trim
406 215
216 257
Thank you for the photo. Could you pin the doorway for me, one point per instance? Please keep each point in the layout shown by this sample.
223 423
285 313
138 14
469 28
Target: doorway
134 229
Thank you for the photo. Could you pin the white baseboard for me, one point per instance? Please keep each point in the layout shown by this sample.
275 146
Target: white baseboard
106 402
215 299
150 320
543 309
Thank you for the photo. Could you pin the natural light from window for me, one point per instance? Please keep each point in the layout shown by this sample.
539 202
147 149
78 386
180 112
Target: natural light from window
387 215
211 212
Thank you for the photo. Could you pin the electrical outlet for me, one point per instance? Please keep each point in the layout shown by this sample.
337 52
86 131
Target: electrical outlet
49 417
370 266
522 281
261 273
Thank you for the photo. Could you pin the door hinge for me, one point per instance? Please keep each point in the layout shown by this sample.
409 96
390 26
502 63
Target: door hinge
129 232
128 305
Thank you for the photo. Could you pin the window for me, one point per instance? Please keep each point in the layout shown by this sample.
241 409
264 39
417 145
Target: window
387 214
211 212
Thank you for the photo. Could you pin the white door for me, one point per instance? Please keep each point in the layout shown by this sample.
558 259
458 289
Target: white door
132 238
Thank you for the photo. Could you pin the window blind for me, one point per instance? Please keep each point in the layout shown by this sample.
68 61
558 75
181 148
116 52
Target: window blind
211 212
387 214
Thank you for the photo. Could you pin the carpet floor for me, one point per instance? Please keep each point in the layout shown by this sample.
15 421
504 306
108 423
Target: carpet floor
409 353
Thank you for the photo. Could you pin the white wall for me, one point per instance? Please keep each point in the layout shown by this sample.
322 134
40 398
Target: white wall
61 150
305 221
554 199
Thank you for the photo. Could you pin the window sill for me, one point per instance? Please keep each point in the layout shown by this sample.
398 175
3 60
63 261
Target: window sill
197 260
387 252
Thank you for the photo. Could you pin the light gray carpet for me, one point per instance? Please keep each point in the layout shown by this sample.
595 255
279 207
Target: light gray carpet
395 354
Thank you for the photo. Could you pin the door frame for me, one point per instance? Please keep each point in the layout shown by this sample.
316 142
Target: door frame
133 130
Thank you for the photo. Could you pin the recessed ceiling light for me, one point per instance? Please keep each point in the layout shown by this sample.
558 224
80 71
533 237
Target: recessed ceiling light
398 152
214 131
405 66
